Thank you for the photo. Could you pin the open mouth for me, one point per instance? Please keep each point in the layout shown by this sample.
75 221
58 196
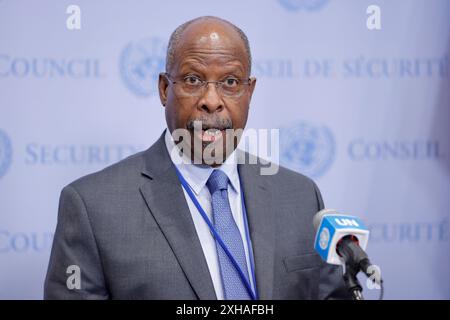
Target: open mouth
208 134
211 134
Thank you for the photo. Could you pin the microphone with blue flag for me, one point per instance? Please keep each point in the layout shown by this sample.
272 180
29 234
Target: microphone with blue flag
341 240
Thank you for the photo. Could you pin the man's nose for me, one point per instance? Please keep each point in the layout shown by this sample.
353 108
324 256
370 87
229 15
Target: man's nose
211 99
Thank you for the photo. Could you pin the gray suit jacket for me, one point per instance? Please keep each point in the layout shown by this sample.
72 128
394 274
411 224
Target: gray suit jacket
129 230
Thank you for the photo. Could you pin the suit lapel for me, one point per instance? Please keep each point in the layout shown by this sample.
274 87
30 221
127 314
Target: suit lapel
262 227
166 201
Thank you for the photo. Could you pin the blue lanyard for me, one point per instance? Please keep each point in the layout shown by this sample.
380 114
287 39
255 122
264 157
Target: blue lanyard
253 293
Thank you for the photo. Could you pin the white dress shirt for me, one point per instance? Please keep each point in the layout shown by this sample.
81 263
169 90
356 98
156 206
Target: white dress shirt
197 176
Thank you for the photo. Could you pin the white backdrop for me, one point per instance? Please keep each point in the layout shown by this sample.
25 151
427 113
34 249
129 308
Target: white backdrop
364 113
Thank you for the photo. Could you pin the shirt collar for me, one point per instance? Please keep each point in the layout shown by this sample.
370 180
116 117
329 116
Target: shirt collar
198 175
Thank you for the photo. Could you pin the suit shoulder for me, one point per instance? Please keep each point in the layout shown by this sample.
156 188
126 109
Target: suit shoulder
278 174
115 175
288 175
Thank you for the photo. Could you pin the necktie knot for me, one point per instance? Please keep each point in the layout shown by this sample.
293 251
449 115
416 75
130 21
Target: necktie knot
218 180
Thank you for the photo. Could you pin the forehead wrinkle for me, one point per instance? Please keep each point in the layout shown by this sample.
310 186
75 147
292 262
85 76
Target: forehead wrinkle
196 65
205 58
219 49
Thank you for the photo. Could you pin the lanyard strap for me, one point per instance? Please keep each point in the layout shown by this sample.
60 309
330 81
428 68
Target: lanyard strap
217 237
247 235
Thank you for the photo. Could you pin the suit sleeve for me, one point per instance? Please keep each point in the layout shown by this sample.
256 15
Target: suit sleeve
331 283
75 270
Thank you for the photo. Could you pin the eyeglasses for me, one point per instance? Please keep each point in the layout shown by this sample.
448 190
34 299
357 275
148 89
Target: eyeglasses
193 86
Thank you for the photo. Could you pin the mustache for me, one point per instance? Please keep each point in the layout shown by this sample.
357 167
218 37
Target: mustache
211 123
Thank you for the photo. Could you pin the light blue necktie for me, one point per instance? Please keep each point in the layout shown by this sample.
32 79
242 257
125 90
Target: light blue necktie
234 288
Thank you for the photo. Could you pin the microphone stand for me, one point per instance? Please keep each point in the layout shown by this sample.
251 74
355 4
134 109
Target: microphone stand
352 282
355 260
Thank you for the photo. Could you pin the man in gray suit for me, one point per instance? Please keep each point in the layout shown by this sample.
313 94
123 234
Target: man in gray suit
159 225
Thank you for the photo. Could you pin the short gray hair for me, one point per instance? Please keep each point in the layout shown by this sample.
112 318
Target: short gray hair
176 36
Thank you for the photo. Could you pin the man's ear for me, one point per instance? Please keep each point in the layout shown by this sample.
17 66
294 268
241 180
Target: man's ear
163 85
252 86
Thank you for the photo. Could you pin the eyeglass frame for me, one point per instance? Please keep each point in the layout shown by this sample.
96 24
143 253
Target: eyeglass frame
218 84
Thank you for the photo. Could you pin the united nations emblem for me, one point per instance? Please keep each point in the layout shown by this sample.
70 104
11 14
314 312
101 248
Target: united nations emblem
324 238
308 5
140 65
307 148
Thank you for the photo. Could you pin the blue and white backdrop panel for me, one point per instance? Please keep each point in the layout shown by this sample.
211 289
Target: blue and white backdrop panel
365 113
